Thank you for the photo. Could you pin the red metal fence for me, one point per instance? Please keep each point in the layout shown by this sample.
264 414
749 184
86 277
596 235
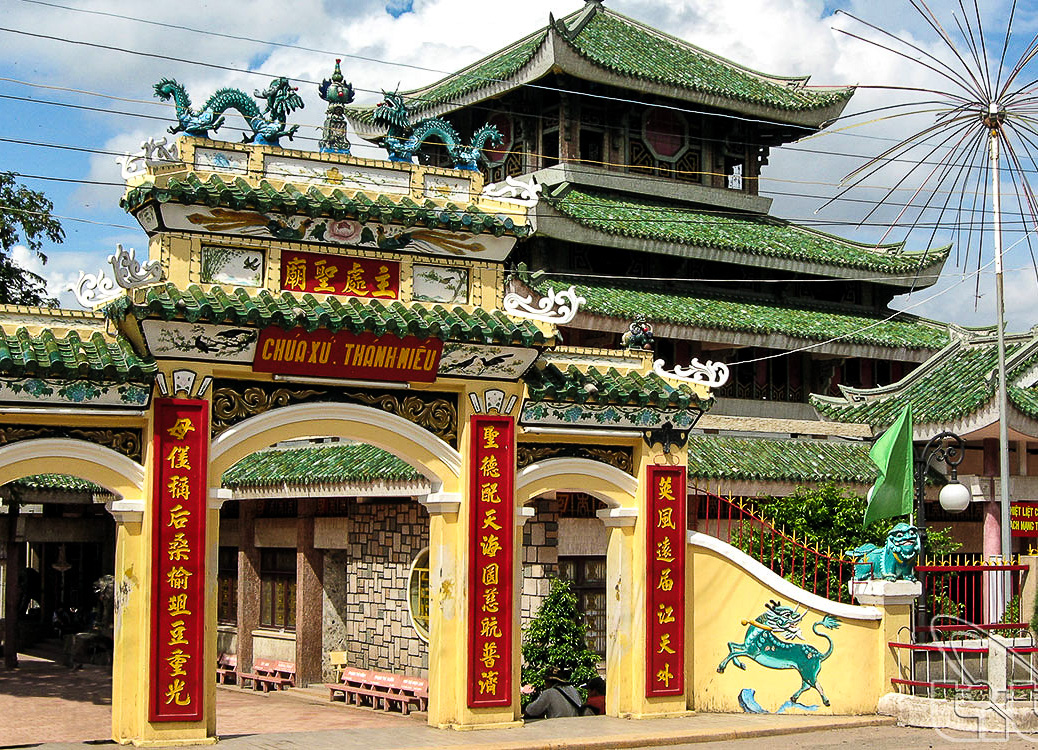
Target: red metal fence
737 522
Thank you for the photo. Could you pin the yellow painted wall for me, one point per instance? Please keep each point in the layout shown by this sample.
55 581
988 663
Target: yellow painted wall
725 596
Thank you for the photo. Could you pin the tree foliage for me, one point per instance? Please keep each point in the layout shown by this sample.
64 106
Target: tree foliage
25 218
556 640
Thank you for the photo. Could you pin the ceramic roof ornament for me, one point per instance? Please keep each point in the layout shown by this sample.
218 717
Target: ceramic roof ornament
338 94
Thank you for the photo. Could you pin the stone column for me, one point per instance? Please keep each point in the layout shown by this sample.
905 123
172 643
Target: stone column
131 628
11 567
248 583
447 634
309 597
895 599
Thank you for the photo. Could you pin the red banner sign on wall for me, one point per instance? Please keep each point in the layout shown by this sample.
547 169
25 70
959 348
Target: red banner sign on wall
1023 519
665 584
178 538
322 353
493 531
340 274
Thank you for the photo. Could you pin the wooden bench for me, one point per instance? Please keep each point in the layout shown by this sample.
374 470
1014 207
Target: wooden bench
269 674
226 669
367 687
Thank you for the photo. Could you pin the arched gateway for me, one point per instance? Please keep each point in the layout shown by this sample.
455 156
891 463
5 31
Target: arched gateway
288 298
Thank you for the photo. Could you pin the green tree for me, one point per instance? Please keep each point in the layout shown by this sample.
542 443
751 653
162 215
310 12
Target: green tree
557 640
25 218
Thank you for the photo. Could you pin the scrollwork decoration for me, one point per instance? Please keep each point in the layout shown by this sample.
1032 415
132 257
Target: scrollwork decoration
152 152
515 191
230 406
555 307
127 442
91 290
621 458
712 374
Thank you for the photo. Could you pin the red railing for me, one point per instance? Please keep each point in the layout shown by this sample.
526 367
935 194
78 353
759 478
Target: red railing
738 523
982 594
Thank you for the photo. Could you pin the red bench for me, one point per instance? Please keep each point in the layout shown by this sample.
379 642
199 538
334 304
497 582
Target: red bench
226 669
269 674
368 687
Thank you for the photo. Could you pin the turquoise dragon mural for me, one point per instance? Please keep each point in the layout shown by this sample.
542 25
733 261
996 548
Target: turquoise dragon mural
403 139
268 125
769 642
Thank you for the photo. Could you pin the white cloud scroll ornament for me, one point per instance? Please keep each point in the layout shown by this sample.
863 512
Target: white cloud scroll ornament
711 374
523 193
555 307
152 152
92 290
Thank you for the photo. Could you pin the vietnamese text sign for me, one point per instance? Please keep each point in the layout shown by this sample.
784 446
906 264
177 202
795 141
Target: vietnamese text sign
323 353
178 666
492 534
340 274
665 581
1023 519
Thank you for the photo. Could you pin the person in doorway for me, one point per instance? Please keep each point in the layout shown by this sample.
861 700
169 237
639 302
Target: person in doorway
595 696
558 699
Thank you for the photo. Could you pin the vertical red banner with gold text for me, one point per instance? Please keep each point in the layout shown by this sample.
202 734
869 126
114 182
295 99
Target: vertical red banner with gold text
178 550
492 535
665 584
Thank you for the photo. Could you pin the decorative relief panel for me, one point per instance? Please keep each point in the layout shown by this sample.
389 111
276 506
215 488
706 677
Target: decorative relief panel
620 457
59 391
125 441
235 401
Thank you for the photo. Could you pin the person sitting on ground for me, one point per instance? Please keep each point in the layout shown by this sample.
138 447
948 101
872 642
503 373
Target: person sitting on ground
595 696
558 699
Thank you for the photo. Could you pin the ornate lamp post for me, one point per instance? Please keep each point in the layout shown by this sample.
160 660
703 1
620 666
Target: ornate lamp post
948 448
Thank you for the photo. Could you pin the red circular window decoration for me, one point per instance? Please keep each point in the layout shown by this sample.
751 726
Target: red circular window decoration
503 123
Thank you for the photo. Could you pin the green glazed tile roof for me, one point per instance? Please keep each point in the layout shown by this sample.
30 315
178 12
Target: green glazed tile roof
729 314
240 194
548 382
950 386
752 234
621 45
761 459
64 482
262 308
340 463
97 357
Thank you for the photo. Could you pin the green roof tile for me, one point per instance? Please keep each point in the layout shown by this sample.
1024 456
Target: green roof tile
752 234
260 309
340 463
950 386
621 45
46 355
215 192
63 482
731 314
761 459
548 382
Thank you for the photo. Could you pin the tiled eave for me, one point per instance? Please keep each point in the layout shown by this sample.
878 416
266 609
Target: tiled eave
551 50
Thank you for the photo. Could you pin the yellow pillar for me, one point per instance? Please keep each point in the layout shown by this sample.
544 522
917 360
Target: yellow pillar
895 599
620 592
632 701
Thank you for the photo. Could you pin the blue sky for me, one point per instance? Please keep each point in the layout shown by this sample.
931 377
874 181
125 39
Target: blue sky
411 42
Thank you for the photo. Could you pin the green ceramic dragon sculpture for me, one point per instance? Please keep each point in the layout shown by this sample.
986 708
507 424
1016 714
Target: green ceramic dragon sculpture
402 139
267 125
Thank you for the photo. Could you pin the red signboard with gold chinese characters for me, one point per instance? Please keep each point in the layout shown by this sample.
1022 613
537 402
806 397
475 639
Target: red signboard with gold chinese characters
340 274
178 607
326 354
665 584
493 472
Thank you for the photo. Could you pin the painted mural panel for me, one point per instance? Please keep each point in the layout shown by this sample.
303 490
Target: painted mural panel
236 266
179 502
492 536
85 392
665 581
220 160
377 236
366 356
493 362
448 188
341 275
200 341
440 284
305 172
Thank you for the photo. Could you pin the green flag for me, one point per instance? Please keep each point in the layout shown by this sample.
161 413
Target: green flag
892 453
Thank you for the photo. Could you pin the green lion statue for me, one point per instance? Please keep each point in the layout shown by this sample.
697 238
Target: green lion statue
894 561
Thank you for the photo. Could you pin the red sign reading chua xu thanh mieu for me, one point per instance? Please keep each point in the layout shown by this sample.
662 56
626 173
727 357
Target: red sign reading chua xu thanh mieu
665 581
366 356
177 684
492 539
